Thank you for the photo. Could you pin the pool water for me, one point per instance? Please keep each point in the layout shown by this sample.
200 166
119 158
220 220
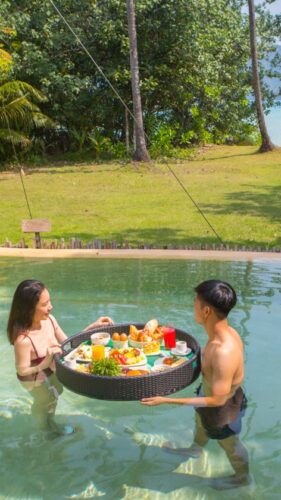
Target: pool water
116 452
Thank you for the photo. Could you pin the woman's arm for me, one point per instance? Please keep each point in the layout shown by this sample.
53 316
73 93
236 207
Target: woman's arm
23 358
102 321
59 333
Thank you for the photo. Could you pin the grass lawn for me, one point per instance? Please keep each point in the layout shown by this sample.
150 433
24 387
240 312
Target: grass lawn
237 189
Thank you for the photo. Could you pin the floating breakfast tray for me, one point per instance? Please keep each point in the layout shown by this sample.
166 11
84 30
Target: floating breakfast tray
124 388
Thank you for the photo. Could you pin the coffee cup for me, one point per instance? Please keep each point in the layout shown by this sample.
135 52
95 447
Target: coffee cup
181 346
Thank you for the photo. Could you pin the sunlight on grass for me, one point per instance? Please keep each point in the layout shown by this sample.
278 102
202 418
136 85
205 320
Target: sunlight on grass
237 189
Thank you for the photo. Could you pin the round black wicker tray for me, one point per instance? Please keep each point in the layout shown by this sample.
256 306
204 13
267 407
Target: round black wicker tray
127 388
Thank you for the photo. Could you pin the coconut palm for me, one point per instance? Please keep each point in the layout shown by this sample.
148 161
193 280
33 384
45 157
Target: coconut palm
140 153
266 144
19 114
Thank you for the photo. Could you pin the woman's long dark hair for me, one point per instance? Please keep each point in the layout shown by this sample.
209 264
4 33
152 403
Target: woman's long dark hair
23 306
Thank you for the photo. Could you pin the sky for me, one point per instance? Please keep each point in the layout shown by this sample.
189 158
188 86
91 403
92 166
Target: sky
275 8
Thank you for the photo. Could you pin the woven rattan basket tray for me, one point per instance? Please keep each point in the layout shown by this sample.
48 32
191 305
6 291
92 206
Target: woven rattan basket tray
123 388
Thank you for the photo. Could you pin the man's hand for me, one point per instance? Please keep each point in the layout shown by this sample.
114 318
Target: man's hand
102 321
155 401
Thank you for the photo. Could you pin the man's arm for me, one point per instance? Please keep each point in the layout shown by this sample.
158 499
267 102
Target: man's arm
220 385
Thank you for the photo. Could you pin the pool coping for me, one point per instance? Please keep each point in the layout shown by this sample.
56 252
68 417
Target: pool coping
139 254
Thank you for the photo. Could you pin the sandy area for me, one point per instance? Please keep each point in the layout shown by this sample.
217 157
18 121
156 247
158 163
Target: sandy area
139 254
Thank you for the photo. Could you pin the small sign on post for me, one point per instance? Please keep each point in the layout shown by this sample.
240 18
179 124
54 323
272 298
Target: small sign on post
36 226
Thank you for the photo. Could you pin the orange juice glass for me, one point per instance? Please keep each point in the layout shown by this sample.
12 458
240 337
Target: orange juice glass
98 352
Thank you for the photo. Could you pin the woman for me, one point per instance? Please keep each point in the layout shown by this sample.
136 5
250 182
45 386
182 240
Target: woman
36 337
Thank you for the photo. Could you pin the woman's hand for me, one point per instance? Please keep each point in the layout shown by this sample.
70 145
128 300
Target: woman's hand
102 321
51 351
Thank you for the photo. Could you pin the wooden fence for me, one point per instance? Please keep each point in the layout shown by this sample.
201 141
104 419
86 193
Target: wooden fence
97 244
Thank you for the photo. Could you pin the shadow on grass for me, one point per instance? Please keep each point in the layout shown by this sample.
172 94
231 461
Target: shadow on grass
263 202
67 169
225 157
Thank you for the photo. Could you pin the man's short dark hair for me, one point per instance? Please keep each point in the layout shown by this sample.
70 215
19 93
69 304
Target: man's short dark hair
218 294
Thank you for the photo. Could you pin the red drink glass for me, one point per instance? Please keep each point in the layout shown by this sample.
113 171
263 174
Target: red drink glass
169 337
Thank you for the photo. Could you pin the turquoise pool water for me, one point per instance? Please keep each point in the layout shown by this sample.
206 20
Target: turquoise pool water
117 452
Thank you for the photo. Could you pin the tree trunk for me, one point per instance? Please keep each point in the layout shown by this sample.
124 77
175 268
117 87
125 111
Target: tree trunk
266 144
140 152
127 132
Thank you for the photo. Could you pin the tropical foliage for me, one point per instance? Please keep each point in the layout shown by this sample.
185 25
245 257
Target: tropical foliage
19 115
195 76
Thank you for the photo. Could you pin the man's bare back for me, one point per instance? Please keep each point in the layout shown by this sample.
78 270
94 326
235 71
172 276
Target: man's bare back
223 353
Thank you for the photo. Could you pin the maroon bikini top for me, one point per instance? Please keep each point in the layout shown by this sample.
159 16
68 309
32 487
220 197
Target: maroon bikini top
36 361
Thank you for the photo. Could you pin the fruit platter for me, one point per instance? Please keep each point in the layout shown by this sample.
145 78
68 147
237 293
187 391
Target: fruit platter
128 361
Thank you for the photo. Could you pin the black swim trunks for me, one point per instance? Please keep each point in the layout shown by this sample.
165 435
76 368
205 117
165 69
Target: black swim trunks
221 422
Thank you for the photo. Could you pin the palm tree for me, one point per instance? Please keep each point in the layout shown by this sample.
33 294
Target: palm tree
18 114
266 144
140 153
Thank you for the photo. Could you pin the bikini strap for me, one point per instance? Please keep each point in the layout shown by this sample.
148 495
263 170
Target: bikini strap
32 343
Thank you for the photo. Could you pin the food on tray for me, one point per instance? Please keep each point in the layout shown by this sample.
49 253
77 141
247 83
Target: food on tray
119 340
100 338
119 336
105 367
84 352
173 361
136 373
151 331
80 367
151 348
129 356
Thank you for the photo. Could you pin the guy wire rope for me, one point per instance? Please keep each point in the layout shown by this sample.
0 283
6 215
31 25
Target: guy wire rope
19 168
131 114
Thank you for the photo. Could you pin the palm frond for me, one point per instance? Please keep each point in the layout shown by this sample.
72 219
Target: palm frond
13 137
17 88
41 120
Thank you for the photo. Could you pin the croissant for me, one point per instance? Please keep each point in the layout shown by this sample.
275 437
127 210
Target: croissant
151 326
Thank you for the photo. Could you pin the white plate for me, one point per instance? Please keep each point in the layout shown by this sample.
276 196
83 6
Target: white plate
178 353
134 367
140 363
160 366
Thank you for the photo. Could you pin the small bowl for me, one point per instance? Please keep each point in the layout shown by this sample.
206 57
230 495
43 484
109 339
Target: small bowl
120 344
100 338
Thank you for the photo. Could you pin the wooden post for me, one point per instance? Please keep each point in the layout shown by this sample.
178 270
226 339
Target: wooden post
37 240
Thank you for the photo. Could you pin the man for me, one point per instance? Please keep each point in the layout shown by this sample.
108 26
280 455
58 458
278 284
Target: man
220 402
